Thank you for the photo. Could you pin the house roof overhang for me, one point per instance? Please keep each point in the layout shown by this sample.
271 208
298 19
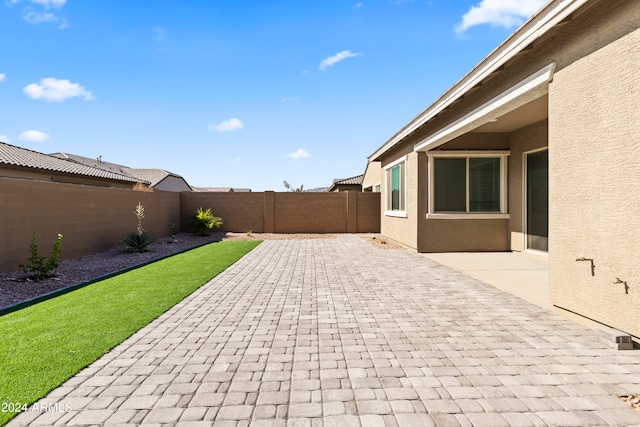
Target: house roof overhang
552 15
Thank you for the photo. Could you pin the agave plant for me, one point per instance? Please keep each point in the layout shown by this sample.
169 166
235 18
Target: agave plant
138 242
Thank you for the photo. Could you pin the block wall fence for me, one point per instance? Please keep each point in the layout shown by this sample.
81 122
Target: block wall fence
94 219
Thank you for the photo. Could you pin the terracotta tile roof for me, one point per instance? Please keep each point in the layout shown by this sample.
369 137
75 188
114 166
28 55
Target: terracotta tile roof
21 157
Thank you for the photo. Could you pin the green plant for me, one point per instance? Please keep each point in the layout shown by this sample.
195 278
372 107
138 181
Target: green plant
40 267
204 221
249 233
293 189
139 240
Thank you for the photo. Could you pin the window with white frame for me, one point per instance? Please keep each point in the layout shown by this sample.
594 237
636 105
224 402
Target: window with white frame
468 183
396 188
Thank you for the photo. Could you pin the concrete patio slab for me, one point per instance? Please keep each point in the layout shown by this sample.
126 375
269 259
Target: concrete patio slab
523 274
336 332
526 276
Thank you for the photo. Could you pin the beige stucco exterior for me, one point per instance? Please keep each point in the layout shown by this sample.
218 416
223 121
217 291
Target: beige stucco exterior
595 176
573 90
372 177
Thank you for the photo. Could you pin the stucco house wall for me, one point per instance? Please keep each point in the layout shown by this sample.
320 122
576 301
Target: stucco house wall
594 162
401 229
372 177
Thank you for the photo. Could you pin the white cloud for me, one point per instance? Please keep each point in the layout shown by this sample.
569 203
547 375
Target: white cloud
33 136
3 77
52 89
37 18
49 3
4 138
228 125
499 13
299 154
332 60
45 3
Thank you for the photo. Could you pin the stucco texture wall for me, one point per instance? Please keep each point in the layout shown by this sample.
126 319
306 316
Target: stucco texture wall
594 161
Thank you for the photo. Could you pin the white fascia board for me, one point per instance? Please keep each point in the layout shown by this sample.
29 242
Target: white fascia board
527 90
538 25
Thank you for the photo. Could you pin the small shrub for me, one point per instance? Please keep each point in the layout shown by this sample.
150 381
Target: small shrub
173 228
40 267
204 221
138 242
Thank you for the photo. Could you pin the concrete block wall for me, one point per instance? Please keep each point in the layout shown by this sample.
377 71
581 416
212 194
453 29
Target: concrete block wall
271 212
90 218
94 218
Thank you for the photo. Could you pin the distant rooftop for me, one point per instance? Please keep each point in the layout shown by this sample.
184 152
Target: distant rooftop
152 176
354 180
11 155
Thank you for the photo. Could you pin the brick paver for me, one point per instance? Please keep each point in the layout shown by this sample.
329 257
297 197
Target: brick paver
336 332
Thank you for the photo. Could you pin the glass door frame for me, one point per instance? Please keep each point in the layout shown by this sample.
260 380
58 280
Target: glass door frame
525 194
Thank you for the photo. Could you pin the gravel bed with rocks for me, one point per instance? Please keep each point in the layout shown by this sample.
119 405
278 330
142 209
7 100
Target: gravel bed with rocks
15 286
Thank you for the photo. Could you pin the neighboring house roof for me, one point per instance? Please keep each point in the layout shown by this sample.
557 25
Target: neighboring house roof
96 163
349 181
354 180
154 176
21 157
554 14
151 176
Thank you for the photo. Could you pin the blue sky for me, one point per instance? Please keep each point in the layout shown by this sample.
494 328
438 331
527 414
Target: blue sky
235 93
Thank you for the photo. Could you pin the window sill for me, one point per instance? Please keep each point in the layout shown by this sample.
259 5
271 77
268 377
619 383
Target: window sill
468 216
397 214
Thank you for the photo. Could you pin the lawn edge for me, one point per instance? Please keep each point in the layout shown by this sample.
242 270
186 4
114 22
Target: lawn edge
49 295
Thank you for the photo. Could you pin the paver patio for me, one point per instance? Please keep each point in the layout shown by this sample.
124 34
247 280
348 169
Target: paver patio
336 332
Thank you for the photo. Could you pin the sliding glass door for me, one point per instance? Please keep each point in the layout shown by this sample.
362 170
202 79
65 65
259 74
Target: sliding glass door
537 201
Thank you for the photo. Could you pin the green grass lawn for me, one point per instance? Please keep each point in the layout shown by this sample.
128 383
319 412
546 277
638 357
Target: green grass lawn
45 344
